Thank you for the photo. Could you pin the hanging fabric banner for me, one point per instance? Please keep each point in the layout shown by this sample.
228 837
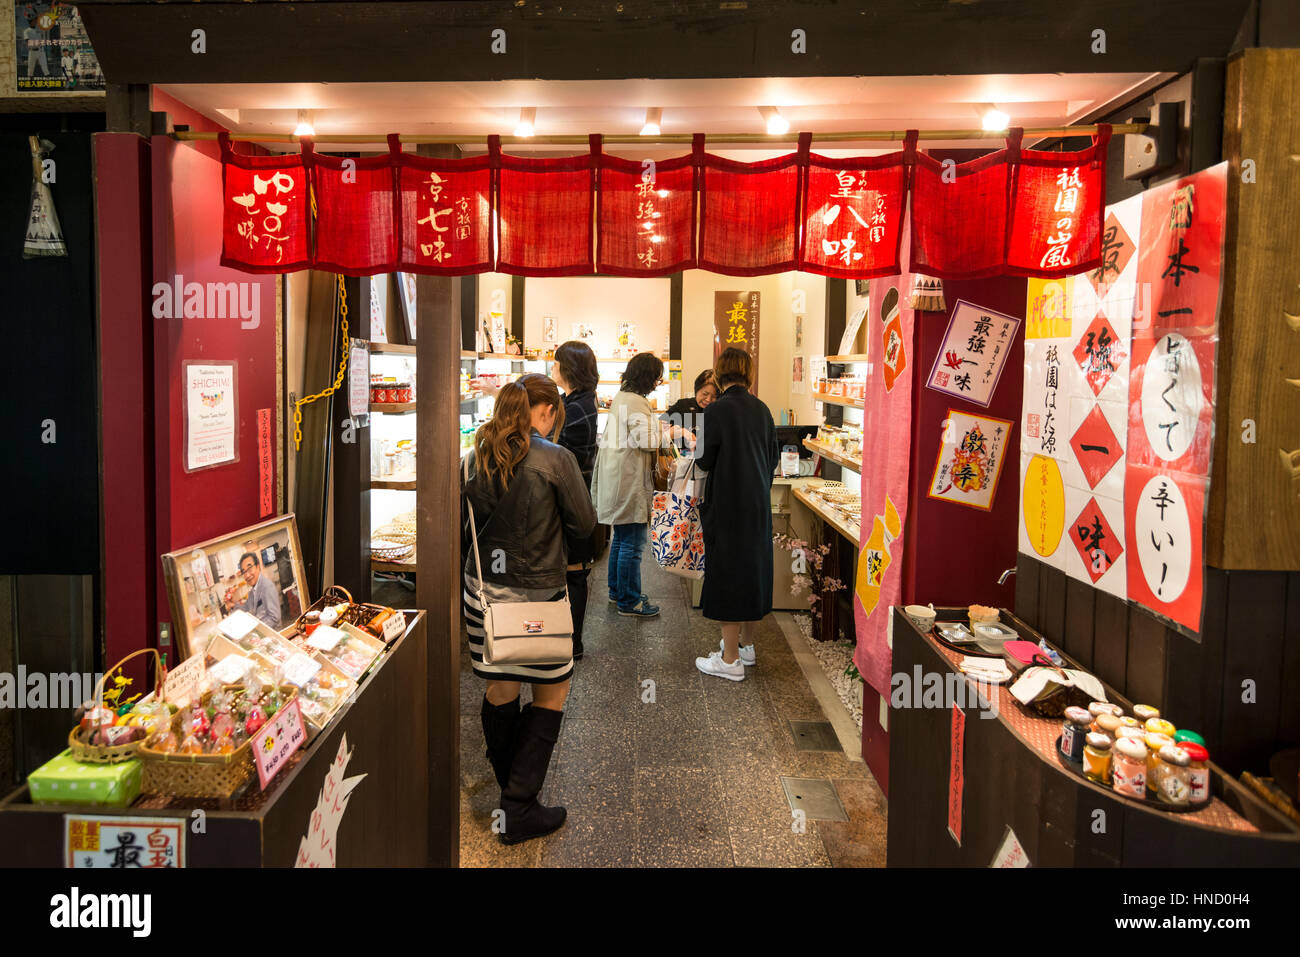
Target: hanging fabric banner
853 213
544 213
749 213
356 214
959 215
735 325
645 214
887 444
266 206
1056 210
1171 392
445 215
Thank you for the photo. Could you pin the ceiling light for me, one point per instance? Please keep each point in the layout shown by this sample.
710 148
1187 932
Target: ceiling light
994 120
304 127
652 117
776 123
527 115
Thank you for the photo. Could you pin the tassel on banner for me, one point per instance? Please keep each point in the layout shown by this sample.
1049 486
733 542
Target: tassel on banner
44 234
927 294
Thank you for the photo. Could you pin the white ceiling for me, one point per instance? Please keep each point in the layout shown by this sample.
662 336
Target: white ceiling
816 104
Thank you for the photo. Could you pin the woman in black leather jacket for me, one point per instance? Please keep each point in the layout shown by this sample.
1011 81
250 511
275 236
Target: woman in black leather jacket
528 495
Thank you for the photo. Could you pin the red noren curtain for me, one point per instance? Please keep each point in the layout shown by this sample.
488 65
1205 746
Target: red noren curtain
265 222
853 213
544 212
645 216
356 214
749 212
445 214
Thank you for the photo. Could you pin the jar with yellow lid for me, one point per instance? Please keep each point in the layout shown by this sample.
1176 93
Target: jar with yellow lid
1128 768
1154 742
1144 712
1160 726
1173 776
1097 757
1128 721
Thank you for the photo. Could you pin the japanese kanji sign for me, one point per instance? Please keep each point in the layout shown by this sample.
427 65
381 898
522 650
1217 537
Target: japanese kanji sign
317 848
970 459
973 353
735 324
122 843
265 207
852 216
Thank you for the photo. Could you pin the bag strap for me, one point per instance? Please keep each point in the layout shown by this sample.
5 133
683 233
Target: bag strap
473 528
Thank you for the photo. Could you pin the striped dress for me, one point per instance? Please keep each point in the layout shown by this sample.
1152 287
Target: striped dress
536 674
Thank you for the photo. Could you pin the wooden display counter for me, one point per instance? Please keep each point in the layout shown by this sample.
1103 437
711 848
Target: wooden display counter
386 822
1009 779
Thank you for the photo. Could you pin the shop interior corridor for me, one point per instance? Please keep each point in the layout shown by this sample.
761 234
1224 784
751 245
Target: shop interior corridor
684 772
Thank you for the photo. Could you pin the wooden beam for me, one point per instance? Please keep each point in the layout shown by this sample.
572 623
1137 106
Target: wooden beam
144 42
437 510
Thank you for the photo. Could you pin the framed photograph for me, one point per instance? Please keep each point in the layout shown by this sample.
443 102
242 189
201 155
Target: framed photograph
256 569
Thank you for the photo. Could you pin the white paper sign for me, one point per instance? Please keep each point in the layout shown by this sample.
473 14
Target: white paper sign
325 637
394 626
300 669
358 382
973 353
232 668
316 849
209 415
1010 853
109 842
237 624
184 679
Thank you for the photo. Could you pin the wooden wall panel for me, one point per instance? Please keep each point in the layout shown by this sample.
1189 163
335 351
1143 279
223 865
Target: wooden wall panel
1080 603
1145 668
1288 719
1254 511
1027 571
1194 669
1110 641
1253 652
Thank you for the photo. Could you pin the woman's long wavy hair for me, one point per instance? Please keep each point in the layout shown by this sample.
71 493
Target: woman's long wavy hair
502 441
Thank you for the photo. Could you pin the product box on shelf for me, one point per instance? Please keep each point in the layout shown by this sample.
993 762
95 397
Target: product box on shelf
64 780
348 648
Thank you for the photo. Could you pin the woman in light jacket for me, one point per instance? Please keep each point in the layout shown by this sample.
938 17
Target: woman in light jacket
622 485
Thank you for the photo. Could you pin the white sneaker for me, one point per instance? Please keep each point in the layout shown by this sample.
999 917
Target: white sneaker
714 665
746 653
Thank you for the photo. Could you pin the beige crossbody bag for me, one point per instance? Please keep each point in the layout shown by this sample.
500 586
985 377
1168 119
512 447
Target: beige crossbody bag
521 632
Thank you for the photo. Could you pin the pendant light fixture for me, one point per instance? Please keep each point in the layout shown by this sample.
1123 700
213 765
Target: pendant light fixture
993 119
652 117
305 126
777 125
527 116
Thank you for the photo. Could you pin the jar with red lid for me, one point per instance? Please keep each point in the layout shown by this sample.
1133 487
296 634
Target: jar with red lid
1198 772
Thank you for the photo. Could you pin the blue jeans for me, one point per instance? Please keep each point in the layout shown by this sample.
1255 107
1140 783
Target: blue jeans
625 547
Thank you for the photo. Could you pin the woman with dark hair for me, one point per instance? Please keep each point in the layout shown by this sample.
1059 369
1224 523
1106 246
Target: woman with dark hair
688 411
527 496
738 450
575 372
623 482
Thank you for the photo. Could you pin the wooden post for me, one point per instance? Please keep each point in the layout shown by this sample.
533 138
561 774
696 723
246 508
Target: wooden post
437 509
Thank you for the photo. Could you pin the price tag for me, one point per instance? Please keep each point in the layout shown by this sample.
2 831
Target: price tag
300 669
232 668
238 624
325 637
276 742
394 626
184 679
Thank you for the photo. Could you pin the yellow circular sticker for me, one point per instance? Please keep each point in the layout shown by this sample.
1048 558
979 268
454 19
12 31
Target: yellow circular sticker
1043 501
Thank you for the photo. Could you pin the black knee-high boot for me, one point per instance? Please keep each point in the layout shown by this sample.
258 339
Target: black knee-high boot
576 579
539 728
500 729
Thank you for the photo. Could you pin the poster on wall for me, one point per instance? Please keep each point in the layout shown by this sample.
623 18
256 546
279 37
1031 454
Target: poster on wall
1171 392
970 459
625 340
798 386
53 51
887 443
735 325
973 353
210 414
406 281
549 329
851 329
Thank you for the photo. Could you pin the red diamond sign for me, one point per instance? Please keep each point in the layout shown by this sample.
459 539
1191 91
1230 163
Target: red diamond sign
1095 447
1095 540
1116 251
1100 353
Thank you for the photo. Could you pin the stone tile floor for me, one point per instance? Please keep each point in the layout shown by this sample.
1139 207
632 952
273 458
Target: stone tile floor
662 766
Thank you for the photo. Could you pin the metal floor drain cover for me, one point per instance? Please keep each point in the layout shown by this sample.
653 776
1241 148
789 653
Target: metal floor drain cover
816 797
814 736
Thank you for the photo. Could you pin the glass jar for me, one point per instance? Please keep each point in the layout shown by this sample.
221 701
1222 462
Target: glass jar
1144 712
1128 721
1182 735
1137 734
1129 768
1096 757
1072 733
1160 726
1198 772
1107 724
1098 708
1154 741
1173 776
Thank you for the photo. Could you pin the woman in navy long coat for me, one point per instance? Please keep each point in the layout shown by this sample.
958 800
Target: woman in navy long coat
738 450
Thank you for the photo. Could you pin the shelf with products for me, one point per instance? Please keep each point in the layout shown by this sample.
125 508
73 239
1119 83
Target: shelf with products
843 400
839 458
807 494
846 360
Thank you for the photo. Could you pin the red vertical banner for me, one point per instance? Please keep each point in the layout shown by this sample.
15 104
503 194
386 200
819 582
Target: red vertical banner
1171 392
749 213
265 464
444 215
956 772
356 213
645 215
959 215
265 211
853 214
1056 211
735 325
545 212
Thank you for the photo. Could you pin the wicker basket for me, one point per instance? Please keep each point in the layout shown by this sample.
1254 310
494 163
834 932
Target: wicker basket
218 776
113 754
